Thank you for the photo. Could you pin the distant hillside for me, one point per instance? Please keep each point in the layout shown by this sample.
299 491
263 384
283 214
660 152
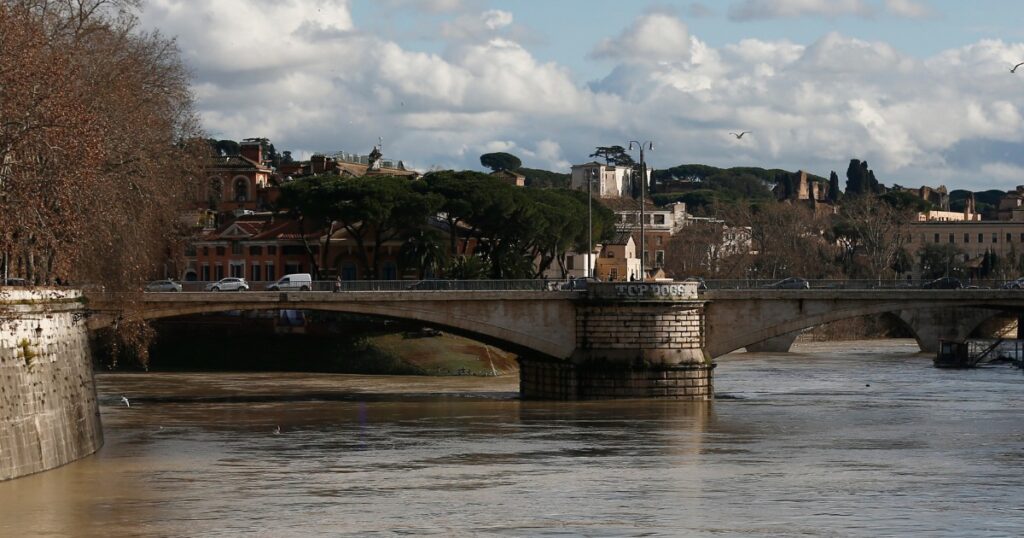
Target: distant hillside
699 184
985 202
544 178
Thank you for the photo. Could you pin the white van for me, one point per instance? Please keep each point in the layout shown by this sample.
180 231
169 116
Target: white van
293 282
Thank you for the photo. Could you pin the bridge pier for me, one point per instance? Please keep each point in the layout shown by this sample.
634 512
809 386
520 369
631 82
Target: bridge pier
632 341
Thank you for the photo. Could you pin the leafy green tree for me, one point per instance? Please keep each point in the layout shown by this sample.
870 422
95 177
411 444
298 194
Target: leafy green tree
613 155
939 260
856 178
500 161
373 210
467 268
905 201
424 251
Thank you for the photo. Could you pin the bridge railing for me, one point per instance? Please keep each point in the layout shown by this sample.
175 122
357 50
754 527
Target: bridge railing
405 285
720 284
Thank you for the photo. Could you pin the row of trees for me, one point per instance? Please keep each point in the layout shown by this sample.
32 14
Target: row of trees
509 228
99 142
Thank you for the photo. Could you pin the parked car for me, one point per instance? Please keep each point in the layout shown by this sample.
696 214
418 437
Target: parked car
295 281
791 283
228 284
1014 284
163 285
944 283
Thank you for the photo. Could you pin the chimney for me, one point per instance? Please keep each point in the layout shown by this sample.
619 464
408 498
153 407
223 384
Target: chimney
252 150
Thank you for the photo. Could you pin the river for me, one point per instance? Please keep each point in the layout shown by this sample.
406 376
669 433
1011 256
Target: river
839 439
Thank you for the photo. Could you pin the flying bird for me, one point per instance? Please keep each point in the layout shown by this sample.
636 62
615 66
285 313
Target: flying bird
125 401
739 136
1014 68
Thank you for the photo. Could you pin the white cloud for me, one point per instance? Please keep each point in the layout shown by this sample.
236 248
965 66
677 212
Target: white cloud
657 37
772 9
476 26
910 9
811 106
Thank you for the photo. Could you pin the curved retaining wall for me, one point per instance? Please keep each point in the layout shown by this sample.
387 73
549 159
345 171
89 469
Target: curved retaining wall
48 410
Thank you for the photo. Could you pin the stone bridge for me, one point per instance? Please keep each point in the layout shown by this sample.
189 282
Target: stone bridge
616 340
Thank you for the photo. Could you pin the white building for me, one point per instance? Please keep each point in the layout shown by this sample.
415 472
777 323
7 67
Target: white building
609 181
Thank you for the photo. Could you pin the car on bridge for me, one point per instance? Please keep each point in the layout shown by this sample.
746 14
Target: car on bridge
944 283
1014 284
163 285
791 283
228 284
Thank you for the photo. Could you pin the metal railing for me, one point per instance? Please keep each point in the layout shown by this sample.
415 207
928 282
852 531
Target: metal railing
396 285
578 285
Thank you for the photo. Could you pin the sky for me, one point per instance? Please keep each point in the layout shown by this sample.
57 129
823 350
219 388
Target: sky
920 89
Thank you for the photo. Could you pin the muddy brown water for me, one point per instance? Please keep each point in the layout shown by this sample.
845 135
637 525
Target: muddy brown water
840 439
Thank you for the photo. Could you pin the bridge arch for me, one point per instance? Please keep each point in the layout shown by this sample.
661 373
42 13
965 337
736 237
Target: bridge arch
736 321
537 322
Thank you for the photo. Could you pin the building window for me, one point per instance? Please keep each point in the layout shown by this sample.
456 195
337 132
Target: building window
255 274
995 238
611 254
570 262
967 238
936 238
218 271
206 273
236 248
220 251
951 238
657 240
659 219
206 251
271 274
237 270
272 250
659 258
981 238
241 190
255 251
290 267
613 273
1009 237
293 250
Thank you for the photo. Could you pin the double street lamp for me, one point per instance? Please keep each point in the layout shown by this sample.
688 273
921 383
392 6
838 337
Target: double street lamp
643 196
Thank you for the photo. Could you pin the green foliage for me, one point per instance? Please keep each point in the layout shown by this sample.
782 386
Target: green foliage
833 188
613 155
545 179
938 260
500 161
984 201
861 180
903 200
373 210
224 147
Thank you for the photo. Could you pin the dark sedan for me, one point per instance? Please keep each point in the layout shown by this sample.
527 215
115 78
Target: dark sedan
791 283
944 283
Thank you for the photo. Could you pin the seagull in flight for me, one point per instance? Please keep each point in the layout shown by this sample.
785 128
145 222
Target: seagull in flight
1014 68
740 135
125 401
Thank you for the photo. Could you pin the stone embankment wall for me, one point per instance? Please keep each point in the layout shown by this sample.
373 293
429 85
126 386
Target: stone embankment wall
48 410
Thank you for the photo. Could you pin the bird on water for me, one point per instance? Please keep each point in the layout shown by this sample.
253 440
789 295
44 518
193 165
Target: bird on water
740 135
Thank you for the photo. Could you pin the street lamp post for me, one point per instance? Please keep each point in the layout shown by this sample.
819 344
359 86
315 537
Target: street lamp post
590 220
643 196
